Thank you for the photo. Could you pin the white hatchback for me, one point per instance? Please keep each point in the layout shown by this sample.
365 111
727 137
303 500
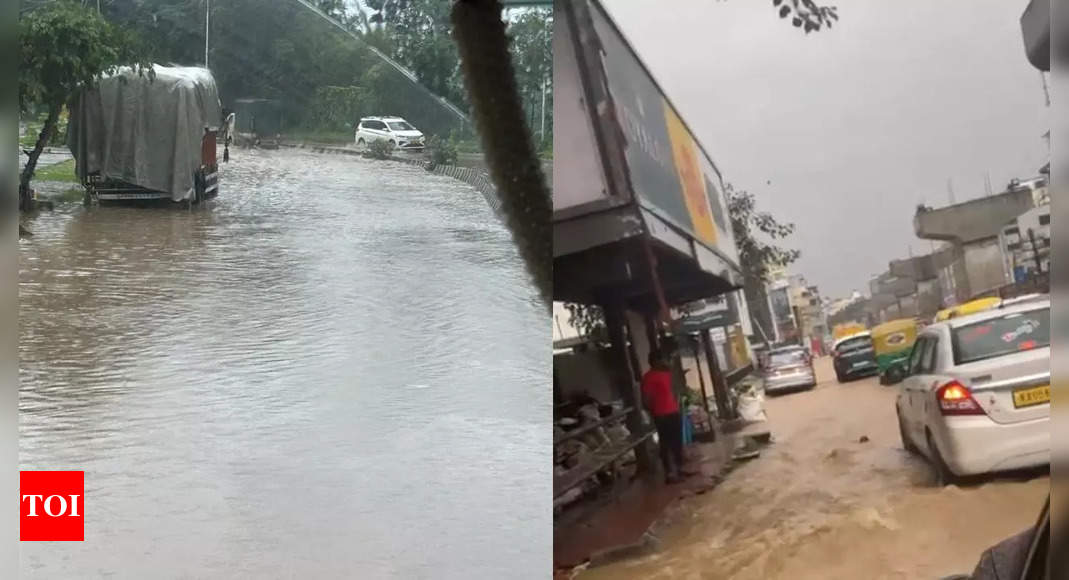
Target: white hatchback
976 396
395 130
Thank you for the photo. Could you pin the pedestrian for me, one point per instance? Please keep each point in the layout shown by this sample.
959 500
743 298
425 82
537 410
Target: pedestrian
660 399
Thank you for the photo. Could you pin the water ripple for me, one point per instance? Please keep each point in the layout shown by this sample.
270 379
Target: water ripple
332 352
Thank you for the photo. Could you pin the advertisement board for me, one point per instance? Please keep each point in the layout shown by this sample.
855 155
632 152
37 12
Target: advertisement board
670 174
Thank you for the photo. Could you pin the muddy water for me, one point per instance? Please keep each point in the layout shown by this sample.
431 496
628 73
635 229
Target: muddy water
337 370
818 503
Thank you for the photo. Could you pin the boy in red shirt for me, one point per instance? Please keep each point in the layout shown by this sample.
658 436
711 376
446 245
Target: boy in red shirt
660 399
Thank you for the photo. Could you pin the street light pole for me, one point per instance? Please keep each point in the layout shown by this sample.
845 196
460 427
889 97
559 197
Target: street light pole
207 19
542 129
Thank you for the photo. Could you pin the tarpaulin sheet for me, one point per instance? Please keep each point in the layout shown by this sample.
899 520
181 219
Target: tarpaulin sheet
146 131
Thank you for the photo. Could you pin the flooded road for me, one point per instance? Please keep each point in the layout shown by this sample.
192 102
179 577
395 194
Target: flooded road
339 369
819 503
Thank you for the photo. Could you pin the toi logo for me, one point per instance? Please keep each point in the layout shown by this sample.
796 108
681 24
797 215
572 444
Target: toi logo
51 506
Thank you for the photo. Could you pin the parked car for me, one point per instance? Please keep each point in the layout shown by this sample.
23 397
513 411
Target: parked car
853 356
396 130
789 368
976 393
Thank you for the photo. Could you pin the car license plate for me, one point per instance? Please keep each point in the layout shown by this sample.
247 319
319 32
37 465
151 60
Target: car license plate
1031 396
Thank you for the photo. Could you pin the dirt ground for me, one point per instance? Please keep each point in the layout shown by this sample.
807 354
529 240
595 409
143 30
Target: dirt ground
822 503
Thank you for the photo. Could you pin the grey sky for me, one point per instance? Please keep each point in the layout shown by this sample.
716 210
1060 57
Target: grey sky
854 125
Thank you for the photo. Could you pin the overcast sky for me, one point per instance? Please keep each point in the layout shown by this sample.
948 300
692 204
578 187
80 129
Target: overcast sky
855 125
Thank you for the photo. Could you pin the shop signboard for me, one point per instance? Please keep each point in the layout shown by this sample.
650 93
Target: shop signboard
671 175
717 312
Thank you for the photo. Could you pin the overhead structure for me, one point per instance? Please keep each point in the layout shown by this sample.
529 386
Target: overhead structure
1035 29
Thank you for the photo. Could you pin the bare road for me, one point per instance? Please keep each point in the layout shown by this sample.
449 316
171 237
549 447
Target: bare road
820 503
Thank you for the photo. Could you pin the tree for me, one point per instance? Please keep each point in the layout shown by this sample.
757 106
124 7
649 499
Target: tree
755 235
587 319
422 41
749 225
807 14
63 48
532 55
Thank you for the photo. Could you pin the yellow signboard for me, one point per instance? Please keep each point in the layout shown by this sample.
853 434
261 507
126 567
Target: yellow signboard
685 155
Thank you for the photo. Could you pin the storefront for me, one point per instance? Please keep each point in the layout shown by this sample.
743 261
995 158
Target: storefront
640 230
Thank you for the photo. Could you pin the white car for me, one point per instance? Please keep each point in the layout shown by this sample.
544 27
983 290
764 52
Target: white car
789 368
398 132
976 396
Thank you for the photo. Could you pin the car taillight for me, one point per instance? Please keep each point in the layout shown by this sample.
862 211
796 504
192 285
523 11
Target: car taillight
956 399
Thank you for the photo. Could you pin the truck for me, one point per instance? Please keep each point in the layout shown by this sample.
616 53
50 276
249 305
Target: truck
140 135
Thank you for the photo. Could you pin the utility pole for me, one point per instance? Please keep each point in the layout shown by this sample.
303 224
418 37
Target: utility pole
1046 89
950 190
1035 250
207 20
987 183
542 129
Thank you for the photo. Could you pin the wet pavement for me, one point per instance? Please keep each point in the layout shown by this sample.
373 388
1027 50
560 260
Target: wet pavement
819 503
338 369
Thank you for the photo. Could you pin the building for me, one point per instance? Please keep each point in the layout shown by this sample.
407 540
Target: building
808 309
971 232
1025 244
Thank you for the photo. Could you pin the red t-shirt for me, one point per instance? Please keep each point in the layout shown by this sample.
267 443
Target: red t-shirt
657 390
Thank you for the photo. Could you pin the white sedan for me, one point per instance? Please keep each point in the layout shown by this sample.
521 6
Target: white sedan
976 396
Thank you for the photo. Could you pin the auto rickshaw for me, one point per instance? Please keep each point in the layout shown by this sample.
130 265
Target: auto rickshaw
971 307
846 329
892 342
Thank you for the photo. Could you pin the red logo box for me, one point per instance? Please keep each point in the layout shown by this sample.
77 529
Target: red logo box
51 506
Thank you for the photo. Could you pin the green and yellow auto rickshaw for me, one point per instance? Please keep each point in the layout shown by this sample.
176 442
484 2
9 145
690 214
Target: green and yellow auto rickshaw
892 342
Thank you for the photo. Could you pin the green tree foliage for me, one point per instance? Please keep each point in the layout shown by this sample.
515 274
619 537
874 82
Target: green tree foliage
335 107
64 47
289 52
756 233
532 53
807 14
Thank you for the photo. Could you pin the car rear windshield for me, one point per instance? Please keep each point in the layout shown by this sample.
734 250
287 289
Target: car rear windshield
790 357
400 126
1001 336
854 344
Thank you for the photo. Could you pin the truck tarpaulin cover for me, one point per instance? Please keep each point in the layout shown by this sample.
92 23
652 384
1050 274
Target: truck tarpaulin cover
146 131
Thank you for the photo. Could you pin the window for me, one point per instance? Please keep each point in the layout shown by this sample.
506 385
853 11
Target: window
915 356
1001 336
789 357
1014 231
855 344
400 126
1014 247
929 357
1044 220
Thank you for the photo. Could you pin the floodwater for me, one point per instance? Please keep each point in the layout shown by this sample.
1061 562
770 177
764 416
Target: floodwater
338 369
819 503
